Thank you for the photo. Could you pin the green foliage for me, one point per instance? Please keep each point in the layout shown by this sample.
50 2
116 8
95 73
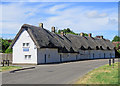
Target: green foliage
117 46
4 44
67 31
8 50
85 34
116 39
8 68
118 51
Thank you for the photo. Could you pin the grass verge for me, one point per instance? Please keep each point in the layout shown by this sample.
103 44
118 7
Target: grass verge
8 68
103 75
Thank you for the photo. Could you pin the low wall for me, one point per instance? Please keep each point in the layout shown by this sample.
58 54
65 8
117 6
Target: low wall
4 56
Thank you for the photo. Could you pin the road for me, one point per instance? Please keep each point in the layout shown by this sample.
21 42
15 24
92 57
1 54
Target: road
64 73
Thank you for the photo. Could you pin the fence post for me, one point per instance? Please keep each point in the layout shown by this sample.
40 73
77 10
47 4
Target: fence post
3 62
109 62
113 62
8 62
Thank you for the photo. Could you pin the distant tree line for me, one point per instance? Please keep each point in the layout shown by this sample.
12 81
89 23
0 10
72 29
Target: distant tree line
68 31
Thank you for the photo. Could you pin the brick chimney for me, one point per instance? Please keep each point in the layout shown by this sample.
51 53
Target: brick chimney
41 25
82 34
100 37
62 33
90 34
97 36
53 29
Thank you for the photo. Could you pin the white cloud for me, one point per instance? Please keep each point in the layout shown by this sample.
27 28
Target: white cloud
13 15
78 18
95 14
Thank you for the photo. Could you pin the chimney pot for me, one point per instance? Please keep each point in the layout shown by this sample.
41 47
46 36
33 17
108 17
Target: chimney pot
62 33
53 29
81 34
101 37
90 34
41 25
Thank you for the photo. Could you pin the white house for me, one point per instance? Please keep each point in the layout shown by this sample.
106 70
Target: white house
36 45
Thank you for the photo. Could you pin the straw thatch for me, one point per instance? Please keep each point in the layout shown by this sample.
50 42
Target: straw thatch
67 43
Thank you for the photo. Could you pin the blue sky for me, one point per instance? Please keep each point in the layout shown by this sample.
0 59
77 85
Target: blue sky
98 18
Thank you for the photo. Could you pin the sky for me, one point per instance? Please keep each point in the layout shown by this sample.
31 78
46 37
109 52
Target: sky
98 18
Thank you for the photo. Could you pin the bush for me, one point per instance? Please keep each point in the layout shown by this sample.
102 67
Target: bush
8 50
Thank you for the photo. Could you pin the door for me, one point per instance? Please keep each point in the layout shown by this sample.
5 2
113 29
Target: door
45 58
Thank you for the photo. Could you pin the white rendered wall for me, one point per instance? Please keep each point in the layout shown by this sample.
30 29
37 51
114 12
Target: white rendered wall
19 54
51 55
68 56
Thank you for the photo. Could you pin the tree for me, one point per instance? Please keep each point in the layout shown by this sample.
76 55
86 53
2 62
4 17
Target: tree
8 50
4 44
116 39
67 31
117 46
85 34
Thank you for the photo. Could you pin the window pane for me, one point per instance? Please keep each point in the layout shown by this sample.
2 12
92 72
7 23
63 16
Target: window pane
25 49
29 56
23 44
25 56
27 44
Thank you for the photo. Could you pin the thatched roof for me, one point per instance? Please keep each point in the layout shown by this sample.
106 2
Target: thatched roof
67 43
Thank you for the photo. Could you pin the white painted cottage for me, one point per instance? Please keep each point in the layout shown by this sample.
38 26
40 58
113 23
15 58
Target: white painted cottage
36 45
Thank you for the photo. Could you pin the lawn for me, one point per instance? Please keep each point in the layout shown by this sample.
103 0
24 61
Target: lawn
103 75
8 68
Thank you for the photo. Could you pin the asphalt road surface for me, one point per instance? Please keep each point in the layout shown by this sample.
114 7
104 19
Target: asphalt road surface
64 73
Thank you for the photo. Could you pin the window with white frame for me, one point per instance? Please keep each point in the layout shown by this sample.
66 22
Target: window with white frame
26 44
27 56
23 44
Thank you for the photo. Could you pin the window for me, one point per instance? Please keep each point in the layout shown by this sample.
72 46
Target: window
25 44
68 56
45 58
49 56
27 56
104 55
76 57
25 49
60 58
93 55
110 55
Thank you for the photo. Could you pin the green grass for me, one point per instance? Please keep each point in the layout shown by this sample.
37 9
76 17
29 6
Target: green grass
8 68
103 75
